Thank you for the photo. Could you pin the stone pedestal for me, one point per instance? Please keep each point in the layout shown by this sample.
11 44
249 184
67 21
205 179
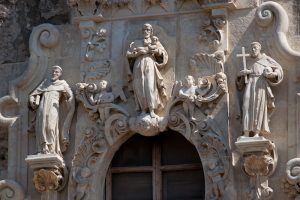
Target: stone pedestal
259 162
50 174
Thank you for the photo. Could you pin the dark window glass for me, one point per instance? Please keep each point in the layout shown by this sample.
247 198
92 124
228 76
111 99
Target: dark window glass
175 149
137 151
187 185
132 186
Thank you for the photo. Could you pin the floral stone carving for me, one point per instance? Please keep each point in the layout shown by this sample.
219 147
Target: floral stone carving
90 150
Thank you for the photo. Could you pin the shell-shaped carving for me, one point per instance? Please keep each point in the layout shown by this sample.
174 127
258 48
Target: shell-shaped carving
205 64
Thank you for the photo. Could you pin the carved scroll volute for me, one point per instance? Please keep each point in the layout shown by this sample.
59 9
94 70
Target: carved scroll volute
291 182
11 190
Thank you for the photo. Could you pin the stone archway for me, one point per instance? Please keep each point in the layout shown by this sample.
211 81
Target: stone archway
165 166
95 153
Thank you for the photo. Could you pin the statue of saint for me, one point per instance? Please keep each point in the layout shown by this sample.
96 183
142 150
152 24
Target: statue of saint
145 58
258 102
46 100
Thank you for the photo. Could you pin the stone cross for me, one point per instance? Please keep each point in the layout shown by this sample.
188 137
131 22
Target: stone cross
244 55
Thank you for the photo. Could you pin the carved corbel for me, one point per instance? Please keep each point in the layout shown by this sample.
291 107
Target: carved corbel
50 174
10 189
291 182
259 161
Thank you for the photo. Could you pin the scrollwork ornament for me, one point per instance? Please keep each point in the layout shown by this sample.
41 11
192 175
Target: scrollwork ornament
44 35
291 182
10 189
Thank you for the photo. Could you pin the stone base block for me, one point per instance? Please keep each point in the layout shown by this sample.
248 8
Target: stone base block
43 161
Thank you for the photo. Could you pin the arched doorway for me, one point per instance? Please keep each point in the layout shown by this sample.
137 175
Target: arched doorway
164 167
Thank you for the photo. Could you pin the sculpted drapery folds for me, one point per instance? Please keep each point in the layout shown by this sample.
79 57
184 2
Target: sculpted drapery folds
258 102
146 57
47 99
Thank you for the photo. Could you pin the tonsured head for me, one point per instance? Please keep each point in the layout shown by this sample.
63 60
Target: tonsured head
255 49
56 72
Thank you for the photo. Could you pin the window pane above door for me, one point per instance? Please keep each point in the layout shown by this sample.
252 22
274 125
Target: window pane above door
136 152
132 186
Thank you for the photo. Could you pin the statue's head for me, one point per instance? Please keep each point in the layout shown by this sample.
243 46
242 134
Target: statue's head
56 72
92 87
147 30
189 81
102 85
154 39
255 49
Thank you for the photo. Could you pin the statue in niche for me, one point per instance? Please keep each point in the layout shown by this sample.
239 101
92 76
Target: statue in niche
145 58
188 94
46 100
258 101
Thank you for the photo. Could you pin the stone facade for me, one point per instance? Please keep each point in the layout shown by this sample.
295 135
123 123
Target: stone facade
80 78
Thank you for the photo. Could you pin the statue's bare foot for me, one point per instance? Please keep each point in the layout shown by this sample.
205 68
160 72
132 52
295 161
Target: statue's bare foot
153 115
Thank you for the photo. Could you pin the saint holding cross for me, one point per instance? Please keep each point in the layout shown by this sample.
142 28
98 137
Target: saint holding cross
258 101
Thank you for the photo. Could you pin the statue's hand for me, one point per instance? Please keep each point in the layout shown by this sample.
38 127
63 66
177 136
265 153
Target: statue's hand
192 98
154 51
269 74
244 72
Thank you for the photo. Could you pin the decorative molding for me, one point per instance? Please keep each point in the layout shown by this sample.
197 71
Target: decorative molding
265 15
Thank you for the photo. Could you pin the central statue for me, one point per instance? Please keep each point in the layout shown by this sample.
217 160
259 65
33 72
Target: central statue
146 57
